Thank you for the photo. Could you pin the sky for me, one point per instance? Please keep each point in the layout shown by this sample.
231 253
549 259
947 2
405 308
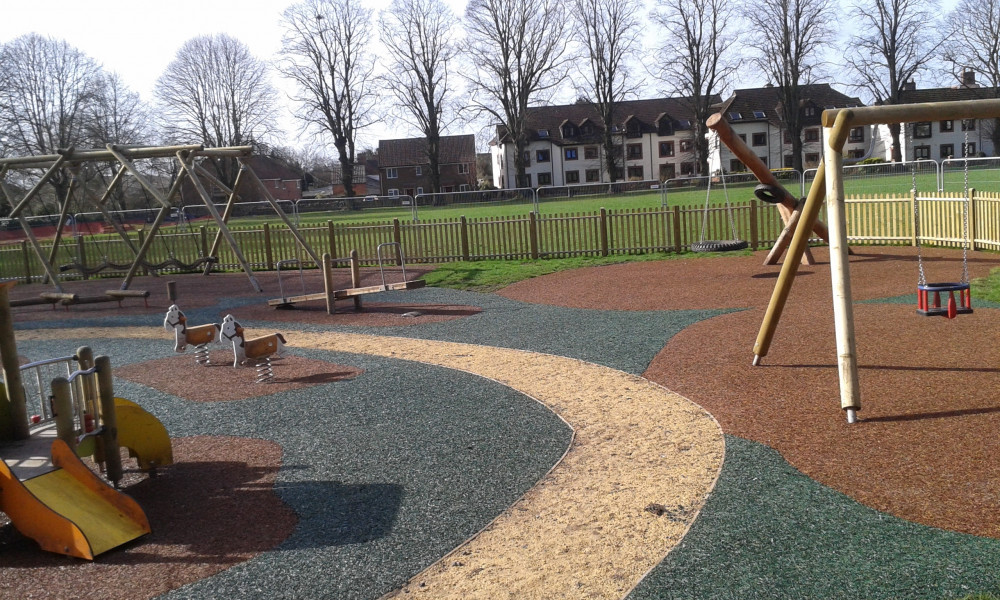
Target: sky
139 39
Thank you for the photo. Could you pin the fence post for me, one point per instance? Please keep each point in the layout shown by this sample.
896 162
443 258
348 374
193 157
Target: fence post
81 254
533 234
914 216
464 233
677 229
27 261
268 254
397 237
604 232
972 219
333 241
754 234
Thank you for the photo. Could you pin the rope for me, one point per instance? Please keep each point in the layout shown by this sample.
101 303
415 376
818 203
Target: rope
922 277
729 209
966 209
704 217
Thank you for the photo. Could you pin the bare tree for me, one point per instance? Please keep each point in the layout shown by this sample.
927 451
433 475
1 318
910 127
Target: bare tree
215 92
894 45
516 55
973 42
608 32
789 36
698 61
324 51
46 87
418 35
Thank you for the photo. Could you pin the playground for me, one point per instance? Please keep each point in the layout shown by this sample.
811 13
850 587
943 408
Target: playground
590 433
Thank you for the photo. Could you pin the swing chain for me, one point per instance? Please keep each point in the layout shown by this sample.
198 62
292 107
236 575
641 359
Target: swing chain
922 277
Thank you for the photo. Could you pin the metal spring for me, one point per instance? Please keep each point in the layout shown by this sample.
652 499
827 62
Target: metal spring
265 372
201 354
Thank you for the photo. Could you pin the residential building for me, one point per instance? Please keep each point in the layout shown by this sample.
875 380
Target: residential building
755 115
404 167
564 144
940 140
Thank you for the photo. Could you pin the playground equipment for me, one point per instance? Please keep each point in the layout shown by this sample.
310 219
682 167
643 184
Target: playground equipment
189 161
200 336
925 305
356 291
718 245
49 494
829 184
260 350
788 205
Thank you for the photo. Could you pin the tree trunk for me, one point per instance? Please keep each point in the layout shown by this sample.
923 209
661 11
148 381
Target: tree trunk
519 163
433 160
346 167
610 159
897 149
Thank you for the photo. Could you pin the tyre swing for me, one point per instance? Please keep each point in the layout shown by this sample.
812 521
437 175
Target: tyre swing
929 295
731 245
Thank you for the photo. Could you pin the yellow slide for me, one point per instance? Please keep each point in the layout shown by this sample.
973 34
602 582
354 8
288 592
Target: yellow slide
70 510
143 434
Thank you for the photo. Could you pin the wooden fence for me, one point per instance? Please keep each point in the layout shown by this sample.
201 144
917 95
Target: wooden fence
943 221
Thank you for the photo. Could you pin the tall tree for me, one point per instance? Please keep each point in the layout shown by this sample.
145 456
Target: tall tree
789 36
216 92
324 52
973 42
894 44
46 87
418 36
698 61
608 33
516 53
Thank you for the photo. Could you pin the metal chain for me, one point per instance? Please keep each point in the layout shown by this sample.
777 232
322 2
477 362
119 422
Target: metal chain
704 217
922 278
966 209
729 208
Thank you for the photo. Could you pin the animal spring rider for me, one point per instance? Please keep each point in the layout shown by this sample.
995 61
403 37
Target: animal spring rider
199 336
259 349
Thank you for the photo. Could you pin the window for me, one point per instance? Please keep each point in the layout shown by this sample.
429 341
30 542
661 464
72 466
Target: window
464 187
543 133
809 111
420 190
463 168
593 175
812 134
968 124
545 179
685 145
736 165
735 116
856 135
526 182
947 150
947 126
665 127
572 177
763 159
634 151
687 168
570 154
542 156
418 171
969 149
391 173
855 154
760 139
743 137
921 152
587 129
787 161
786 137
590 152
569 130
667 171
527 158
618 173
759 114
393 192
812 159
922 130
635 173
666 148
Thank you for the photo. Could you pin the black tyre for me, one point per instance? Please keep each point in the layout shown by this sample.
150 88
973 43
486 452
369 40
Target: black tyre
718 246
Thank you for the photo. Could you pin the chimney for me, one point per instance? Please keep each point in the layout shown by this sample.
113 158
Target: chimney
910 86
969 78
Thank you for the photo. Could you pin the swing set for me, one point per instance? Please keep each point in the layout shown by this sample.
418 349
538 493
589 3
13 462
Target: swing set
71 163
829 186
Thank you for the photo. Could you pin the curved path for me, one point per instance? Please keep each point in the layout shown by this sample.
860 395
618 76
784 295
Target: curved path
640 466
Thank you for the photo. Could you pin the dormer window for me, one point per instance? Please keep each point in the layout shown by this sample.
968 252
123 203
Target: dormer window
587 128
569 130
543 133
809 111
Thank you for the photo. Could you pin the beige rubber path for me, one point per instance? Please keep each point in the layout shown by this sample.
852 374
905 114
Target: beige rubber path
641 463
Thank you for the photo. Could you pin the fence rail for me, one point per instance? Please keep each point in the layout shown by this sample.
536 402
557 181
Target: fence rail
946 219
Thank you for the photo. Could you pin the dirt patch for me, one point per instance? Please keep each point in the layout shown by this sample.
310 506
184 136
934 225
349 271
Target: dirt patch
215 508
219 381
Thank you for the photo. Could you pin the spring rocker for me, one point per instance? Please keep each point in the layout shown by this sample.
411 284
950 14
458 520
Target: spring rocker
199 336
259 350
